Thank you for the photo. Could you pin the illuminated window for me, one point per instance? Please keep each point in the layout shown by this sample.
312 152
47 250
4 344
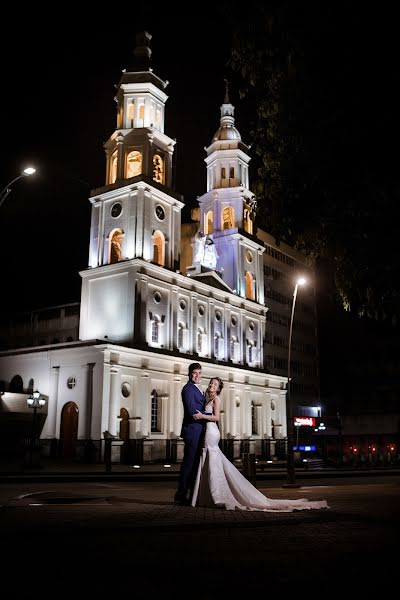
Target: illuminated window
141 114
155 330
158 118
114 166
158 168
115 246
159 248
249 286
228 219
180 336
131 112
208 222
133 164
155 412
247 222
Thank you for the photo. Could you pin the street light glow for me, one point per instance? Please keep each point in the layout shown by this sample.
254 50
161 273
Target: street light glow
29 171
301 281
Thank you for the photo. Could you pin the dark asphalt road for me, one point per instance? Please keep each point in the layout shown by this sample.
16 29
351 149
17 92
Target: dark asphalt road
129 538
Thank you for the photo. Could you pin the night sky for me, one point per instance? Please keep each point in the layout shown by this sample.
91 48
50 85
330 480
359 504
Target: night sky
58 109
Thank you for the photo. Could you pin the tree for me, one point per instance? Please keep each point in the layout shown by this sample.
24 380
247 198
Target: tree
322 83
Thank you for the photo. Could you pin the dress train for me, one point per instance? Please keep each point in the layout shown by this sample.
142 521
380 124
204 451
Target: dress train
219 484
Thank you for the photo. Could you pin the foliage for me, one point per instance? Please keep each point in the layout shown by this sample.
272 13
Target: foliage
326 182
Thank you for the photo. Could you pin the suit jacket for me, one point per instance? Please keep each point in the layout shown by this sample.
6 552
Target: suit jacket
192 399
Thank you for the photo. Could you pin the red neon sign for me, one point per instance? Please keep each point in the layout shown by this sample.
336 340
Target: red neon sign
304 421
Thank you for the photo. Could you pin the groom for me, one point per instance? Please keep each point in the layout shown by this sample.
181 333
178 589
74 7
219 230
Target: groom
192 434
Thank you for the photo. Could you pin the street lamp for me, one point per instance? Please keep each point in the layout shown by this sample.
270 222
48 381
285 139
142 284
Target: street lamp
291 476
5 191
35 401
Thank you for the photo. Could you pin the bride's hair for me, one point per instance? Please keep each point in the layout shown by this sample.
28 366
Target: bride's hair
220 383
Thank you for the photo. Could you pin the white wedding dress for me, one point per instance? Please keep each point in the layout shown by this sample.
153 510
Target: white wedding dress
220 485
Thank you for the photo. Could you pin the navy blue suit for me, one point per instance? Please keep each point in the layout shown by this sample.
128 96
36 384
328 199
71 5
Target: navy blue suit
192 434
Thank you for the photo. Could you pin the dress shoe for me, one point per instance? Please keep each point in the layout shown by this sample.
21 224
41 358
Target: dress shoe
181 500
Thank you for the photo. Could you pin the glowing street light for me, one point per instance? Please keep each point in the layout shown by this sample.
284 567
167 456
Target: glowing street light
5 191
291 476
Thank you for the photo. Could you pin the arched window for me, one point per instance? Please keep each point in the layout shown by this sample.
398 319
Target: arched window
155 330
131 112
158 118
133 164
158 168
180 335
114 167
247 222
16 385
159 248
254 420
208 222
115 246
141 115
31 386
249 286
235 349
155 412
228 218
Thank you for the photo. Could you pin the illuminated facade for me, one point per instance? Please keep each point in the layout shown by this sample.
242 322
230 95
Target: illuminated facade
158 296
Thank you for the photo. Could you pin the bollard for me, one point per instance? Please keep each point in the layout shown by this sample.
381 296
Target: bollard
249 467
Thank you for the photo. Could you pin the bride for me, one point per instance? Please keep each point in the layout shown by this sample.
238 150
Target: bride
218 483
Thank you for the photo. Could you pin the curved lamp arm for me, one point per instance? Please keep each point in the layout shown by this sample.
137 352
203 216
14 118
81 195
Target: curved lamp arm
7 189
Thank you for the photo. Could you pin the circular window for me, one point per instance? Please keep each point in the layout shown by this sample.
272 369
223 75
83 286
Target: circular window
160 212
157 297
126 390
272 405
233 320
251 326
201 310
71 383
182 304
218 315
116 210
249 256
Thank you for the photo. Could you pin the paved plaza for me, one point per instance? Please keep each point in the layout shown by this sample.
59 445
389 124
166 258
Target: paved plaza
128 537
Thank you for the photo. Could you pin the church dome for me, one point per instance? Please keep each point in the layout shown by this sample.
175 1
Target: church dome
226 132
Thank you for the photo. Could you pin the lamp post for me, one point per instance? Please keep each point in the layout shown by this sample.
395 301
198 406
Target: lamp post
291 476
6 190
34 401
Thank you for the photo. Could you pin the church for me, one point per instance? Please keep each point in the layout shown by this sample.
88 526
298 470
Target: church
159 294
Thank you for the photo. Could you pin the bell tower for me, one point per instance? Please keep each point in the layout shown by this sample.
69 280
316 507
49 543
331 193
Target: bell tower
227 209
136 214
139 145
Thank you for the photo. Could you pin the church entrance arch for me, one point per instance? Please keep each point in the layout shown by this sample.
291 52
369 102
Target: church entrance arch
69 430
124 435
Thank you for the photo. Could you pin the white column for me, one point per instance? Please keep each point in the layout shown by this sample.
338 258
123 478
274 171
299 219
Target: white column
247 428
266 415
105 404
115 388
177 407
145 395
231 417
50 427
